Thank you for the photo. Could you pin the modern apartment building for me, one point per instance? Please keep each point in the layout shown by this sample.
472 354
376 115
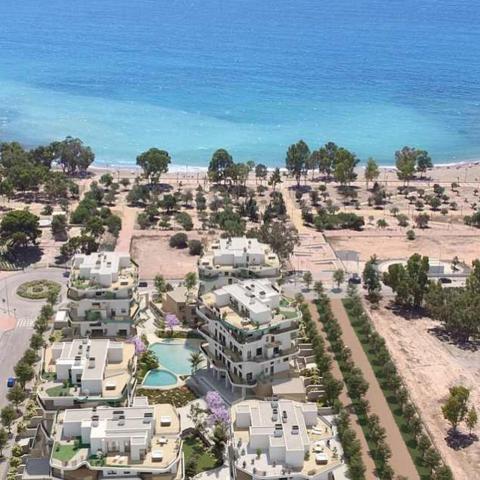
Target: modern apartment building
251 333
102 290
283 439
229 260
85 372
140 441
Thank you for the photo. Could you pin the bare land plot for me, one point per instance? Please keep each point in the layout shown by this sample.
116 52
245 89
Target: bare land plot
435 243
154 256
430 366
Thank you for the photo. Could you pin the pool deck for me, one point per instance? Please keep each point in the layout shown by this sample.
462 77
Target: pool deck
169 341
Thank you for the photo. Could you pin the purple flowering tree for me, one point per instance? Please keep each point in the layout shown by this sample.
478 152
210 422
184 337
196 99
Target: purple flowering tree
217 408
171 321
139 345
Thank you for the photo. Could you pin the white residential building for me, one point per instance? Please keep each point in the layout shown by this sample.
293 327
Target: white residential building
128 442
103 295
251 332
283 439
229 260
85 371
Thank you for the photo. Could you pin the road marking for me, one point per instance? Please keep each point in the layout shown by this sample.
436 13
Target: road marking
25 322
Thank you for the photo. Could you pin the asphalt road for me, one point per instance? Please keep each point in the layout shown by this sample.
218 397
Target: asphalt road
14 342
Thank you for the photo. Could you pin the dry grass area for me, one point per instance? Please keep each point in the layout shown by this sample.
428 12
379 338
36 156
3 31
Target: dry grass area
430 366
150 249
434 242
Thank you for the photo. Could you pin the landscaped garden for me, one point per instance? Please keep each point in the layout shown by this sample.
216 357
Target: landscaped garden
198 458
65 452
58 391
38 289
179 397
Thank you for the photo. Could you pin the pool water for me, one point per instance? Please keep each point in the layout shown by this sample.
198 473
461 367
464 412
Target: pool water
159 378
174 355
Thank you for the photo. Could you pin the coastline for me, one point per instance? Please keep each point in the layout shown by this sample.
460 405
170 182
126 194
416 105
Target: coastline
193 169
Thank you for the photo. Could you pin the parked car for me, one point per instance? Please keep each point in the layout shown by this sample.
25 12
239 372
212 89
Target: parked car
445 280
11 382
143 284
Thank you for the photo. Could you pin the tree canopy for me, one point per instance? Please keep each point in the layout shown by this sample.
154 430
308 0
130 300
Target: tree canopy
297 158
220 165
154 163
410 282
19 228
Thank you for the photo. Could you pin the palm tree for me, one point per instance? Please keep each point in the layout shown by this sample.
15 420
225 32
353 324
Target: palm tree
196 358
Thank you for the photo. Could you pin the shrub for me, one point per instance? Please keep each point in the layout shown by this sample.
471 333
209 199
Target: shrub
410 235
195 247
185 220
179 240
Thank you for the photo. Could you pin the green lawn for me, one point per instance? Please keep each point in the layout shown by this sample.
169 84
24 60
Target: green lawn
59 391
64 453
394 405
206 461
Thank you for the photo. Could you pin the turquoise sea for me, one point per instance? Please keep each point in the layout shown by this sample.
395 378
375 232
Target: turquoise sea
249 75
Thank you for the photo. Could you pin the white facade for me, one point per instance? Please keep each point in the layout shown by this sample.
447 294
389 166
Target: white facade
251 332
284 439
83 362
279 428
140 438
229 260
103 293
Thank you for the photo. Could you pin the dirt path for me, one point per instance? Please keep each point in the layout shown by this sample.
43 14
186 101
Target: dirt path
401 461
129 216
346 401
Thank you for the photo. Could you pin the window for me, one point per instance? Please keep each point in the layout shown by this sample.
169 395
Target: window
259 351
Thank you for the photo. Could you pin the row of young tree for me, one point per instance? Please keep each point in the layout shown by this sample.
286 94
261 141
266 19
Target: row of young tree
394 388
458 309
357 388
333 387
25 372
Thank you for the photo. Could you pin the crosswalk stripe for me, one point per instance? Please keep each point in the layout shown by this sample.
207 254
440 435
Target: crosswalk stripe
25 322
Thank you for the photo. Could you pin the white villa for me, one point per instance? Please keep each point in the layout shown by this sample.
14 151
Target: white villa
283 439
140 440
229 260
103 295
86 371
251 333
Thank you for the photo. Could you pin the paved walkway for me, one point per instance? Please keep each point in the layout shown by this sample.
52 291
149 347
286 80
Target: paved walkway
346 401
401 461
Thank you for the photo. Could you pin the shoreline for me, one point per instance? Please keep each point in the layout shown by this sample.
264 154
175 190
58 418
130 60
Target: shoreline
192 169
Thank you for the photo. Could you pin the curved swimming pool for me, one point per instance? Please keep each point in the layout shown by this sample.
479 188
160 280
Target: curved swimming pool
159 378
174 354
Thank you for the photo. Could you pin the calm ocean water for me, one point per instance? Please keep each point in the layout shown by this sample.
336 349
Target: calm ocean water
249 75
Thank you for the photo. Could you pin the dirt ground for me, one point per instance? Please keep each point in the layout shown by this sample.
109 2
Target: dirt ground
430 366
154 256
435 243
